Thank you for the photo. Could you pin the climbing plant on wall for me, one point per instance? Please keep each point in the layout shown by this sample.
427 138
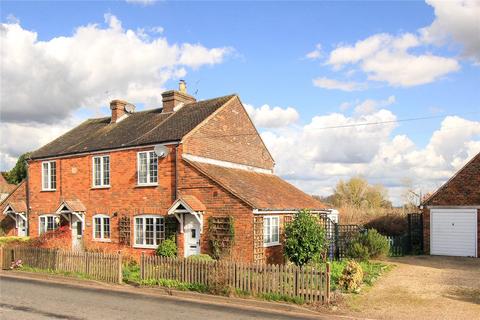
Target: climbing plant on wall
221 236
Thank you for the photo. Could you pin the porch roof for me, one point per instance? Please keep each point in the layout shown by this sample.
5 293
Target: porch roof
259 190
17 206
74 205
193 202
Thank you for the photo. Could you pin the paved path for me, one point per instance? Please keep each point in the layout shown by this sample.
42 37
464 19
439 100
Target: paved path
32 299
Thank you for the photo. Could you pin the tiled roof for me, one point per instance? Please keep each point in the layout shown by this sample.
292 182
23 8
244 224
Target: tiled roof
140 128
5 187
259 190
193 202
75 205
462 189
17 206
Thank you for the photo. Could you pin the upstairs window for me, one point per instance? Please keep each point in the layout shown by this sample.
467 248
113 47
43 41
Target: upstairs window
147 168
270 231
101 225
101 171
149 231
49 175
47 223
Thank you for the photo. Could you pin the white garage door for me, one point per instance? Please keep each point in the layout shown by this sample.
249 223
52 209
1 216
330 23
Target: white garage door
453 232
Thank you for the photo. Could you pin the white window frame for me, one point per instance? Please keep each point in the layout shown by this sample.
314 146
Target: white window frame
48 187
156 241
46 216
102 218
149 157
270 233
102 172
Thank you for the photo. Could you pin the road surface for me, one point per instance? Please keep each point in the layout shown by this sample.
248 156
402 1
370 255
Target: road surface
31 299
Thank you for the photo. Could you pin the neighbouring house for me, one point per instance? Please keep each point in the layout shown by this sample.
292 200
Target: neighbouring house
451 215
195 170
13 216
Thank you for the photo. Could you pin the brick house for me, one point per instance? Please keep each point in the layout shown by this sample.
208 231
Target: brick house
451 215
132 179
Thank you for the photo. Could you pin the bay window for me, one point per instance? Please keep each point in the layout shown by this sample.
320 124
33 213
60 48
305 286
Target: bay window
149 231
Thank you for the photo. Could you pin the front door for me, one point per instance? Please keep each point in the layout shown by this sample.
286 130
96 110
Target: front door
21 227
192 235
77 234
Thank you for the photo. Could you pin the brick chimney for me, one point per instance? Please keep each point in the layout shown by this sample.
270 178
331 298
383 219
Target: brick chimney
120 109
173 98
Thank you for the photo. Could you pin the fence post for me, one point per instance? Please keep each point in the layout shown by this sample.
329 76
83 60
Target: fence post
1 258
120 273
337 247
142 266
295 280
327 287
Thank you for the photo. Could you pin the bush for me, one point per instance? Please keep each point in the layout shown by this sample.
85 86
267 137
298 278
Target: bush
389 224
13 240
304 238
352 277
168 248
368 245
200 257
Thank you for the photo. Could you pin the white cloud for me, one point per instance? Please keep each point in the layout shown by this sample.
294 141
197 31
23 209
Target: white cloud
386 58
316 53
142 2
268 117
323 156
370 106
458 21
332 84
45 81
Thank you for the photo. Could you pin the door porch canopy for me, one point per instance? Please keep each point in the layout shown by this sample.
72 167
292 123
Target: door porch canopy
187 204
68 208
15 210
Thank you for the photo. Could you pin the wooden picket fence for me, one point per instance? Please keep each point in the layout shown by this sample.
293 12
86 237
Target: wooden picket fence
309 284
98 266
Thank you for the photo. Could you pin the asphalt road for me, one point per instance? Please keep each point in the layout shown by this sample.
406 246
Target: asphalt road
30 299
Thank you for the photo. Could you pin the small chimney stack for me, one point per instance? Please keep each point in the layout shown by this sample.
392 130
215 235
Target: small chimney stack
173 98
120 110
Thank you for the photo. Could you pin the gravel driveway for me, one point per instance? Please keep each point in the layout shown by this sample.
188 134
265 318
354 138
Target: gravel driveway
423 287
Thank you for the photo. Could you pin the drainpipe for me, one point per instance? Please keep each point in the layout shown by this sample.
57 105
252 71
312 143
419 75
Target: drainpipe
27 198
175 189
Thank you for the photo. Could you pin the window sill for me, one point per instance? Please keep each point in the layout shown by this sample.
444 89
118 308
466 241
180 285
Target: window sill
147 185
103 240
272 244
100 187
142 246
49 190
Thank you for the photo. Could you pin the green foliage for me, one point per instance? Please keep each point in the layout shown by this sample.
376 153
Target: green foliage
19 172
200 257
78 275
175 284
221 241
168 248
352 277
131 272
368 245
358 193
13 240
271 296
304 238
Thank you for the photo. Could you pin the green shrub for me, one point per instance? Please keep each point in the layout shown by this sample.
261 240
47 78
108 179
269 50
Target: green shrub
200 257
352 277
368 245
168 248
304 238
13 240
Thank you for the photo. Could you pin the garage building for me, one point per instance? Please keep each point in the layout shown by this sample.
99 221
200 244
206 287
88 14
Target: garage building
451 216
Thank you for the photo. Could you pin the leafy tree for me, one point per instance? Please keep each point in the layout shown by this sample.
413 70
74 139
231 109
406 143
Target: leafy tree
19 172
304 238
357 193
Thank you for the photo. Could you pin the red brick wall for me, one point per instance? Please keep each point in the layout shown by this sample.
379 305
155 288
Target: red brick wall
6 222
219 202
229 136
124 197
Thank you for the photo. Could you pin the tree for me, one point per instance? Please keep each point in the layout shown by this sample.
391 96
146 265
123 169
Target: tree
304 238
19 172
357 193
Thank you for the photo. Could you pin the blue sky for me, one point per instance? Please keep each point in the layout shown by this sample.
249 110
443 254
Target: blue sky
265 60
